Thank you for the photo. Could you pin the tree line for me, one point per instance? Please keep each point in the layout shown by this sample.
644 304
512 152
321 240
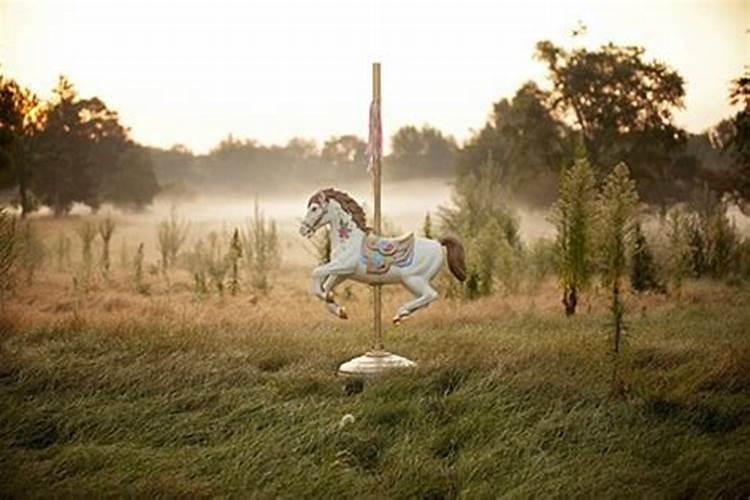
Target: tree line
69 150
612 99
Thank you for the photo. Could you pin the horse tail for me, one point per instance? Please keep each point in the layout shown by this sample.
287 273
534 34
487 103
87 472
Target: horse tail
456 259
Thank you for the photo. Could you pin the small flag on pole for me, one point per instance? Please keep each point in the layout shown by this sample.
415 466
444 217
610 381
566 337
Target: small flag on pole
375 140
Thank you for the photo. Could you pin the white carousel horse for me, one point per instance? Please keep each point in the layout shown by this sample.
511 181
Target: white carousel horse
358 254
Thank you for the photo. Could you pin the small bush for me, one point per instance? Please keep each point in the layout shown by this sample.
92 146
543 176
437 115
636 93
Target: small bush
643 273
480 215
260 244
106 229
171 235
679 253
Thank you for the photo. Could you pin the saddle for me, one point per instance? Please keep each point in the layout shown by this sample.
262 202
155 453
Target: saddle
381 253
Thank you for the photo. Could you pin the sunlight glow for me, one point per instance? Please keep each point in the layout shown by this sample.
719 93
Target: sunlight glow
191 72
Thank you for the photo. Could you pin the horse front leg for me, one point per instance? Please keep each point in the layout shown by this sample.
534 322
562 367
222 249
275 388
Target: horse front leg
324 279
328 286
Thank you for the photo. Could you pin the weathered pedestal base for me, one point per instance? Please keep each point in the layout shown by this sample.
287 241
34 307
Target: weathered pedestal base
374 363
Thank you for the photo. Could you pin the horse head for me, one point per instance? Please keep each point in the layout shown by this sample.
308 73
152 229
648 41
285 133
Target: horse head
325 206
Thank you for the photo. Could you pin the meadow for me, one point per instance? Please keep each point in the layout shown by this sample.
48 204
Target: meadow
170 393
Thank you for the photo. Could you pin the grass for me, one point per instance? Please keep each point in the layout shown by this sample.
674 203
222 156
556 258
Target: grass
113 394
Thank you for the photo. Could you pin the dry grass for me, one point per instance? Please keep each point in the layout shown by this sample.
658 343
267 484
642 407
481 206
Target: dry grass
108 392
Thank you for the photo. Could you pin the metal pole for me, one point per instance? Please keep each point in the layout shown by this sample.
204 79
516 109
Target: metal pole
376 182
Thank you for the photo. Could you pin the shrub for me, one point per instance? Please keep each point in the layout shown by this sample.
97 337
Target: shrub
480 216
679 249
643 273
172 234
216 263
260 243
713 236
540 261
106 229
196 263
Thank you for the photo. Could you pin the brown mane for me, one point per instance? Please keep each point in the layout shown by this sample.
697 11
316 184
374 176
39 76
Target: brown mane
346 202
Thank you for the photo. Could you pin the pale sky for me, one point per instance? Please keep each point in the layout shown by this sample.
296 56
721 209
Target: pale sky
191 71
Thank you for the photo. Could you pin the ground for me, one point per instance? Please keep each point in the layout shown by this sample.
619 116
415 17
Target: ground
108 392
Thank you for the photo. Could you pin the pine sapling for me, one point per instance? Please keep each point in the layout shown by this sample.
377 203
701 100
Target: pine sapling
574 216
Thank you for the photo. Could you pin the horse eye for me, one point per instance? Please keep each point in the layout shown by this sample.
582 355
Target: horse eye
314 208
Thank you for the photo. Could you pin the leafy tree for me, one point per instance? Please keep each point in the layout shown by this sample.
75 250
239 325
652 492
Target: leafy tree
574 216
344 151
618 216
21 120
420 153
623 106
82 138
736 139
527 140
87 156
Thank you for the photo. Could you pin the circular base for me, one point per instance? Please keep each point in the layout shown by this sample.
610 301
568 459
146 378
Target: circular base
374 363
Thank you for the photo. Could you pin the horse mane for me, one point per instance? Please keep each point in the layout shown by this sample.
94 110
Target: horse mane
347 203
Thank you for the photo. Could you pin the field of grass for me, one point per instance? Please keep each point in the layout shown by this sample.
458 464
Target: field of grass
112 393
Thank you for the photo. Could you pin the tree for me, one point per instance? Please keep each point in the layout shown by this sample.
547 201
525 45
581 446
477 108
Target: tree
420 153
574 218
618 216
623 106
81 146
526 140
132 184
737 138
21 119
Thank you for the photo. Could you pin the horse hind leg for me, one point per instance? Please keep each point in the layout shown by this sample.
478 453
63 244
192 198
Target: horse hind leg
424 294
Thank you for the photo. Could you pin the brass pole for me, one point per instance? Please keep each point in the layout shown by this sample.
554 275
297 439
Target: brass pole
376 182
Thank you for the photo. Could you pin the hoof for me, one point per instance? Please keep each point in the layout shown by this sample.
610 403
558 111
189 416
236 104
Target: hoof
398 319
342 313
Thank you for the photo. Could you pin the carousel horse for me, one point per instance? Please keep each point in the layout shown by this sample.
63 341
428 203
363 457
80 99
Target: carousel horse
358 254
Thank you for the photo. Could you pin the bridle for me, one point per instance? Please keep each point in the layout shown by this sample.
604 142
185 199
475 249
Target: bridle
311 227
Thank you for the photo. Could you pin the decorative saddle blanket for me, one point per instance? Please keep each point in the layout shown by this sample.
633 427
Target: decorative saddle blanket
381 253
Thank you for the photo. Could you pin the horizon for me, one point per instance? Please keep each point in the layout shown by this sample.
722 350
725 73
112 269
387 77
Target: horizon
275 71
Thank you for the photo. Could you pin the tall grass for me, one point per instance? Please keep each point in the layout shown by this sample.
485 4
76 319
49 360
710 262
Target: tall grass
8 252
504 403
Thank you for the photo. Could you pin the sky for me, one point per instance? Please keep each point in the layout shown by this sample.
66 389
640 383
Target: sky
191 72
